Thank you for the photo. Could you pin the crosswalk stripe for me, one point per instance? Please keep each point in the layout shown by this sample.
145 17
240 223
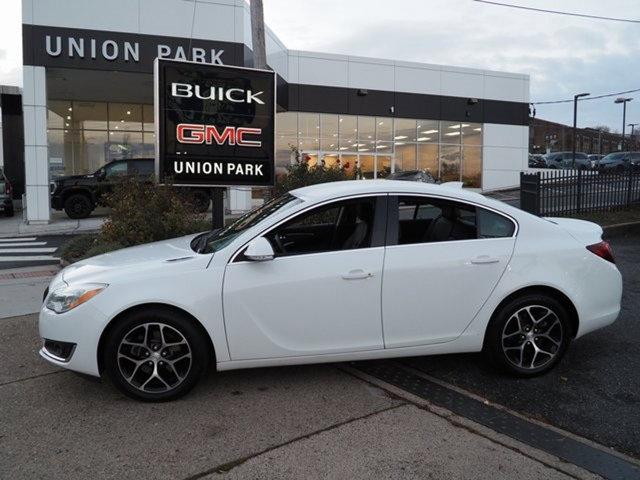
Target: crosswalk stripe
22 244
27 250
33 258
17 239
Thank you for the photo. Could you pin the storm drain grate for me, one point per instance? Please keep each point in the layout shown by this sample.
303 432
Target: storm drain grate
550 441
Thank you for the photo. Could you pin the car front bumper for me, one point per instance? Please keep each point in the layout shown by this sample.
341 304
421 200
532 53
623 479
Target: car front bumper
81 328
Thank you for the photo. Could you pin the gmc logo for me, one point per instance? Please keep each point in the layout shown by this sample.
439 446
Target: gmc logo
196 134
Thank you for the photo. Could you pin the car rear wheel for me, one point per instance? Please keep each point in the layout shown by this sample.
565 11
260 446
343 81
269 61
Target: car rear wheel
155 355
529 335
78 205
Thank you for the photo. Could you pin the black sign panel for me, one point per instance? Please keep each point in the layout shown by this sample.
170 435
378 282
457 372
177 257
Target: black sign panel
215 125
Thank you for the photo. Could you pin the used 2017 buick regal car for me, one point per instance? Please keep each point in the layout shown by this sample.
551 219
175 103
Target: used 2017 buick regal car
334 272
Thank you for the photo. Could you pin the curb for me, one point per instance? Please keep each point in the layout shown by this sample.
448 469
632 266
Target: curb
621 229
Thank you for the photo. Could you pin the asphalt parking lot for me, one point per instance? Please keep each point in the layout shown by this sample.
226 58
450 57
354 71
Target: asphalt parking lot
594 392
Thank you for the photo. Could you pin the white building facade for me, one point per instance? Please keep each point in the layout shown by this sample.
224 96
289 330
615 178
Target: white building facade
88 98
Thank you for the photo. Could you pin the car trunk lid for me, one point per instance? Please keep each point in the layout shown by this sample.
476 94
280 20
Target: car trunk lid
583 231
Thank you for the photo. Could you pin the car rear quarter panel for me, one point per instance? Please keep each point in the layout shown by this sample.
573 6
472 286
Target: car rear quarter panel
545 255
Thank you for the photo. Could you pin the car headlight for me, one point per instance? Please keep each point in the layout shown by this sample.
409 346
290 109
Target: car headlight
69 297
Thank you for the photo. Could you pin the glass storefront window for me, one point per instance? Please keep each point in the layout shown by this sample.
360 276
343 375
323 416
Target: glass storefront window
405 156
428 131
450 132
309 125
383 166
124 145
59 114
287 123
349 163
309 145
405 130
89 152
329 132
450 163
60 153
472 134
428 158
89 115
348 131
384 129
125 117
148 123
472 166
331 160
368 166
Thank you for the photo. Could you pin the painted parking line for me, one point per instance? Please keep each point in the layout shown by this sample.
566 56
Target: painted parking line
18 239
22 244
29 258
27 250
598 460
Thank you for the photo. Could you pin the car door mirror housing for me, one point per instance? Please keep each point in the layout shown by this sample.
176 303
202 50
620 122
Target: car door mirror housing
259 250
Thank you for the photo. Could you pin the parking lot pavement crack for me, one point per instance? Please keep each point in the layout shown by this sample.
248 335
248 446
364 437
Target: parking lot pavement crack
228 466
32 377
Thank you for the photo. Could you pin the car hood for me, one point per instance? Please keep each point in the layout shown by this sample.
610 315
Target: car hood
172 253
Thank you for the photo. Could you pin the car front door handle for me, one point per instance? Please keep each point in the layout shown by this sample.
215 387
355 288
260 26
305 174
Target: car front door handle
357 274
484 259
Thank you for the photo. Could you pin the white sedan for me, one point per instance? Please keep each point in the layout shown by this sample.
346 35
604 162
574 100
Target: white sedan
335 272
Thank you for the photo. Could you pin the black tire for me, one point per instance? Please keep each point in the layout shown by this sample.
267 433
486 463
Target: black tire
9 212
200 200
78 205
531 362
198 363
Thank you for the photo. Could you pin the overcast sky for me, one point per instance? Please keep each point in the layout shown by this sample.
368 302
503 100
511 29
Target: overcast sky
563 55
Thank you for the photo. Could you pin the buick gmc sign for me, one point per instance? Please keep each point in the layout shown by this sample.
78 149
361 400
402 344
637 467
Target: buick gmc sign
215 124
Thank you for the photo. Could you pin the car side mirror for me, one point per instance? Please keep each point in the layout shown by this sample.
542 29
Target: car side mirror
102 174
259 250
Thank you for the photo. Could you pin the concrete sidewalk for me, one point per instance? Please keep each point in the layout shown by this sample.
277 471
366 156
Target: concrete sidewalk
21 289
60 225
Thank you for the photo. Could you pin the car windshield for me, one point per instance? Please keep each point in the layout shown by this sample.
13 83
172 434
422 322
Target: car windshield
614 156
215 240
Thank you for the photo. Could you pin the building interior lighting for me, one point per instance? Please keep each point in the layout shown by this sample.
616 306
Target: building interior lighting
423 139
452 134
399 137
429 132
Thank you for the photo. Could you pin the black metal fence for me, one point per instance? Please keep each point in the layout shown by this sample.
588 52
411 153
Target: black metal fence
565 192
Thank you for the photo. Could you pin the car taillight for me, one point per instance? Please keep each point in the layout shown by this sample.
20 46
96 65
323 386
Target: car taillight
8 188
603 250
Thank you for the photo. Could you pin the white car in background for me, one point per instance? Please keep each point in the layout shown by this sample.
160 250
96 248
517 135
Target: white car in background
335 272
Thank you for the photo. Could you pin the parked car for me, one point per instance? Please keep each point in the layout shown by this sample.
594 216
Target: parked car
565 160
79 195
537 160
335 272
412 176
619 161
6 195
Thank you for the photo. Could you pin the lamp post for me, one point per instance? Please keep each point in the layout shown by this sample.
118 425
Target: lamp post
575 118
623 101
633 126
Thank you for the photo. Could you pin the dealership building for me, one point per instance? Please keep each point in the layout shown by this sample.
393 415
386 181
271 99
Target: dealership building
88 98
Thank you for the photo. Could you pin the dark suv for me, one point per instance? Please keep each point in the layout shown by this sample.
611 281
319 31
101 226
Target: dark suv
79 195
6 195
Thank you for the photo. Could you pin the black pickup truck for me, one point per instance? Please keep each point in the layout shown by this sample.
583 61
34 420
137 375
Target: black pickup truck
79 195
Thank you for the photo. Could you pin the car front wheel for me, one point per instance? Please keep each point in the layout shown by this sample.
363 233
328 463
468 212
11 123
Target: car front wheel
529 335
77 206
155 355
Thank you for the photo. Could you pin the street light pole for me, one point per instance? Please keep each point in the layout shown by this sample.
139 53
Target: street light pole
623 101
575 118
633 126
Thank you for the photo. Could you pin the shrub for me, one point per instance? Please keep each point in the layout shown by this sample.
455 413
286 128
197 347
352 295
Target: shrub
301 174
140 213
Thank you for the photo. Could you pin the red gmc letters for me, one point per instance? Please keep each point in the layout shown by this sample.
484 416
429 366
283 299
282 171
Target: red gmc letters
192 133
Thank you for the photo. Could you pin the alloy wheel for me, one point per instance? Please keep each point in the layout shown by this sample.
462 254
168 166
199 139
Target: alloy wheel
154 357
532 337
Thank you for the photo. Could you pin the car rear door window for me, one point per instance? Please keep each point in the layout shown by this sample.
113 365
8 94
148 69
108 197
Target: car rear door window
434 220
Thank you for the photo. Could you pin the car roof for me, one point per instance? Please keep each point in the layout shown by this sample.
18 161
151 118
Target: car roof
328 191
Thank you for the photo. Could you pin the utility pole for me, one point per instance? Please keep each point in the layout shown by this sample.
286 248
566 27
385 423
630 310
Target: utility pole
575 118
623 101
631 135
257 35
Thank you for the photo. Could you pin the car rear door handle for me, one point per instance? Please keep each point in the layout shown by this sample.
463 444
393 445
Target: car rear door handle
484 259
357 274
